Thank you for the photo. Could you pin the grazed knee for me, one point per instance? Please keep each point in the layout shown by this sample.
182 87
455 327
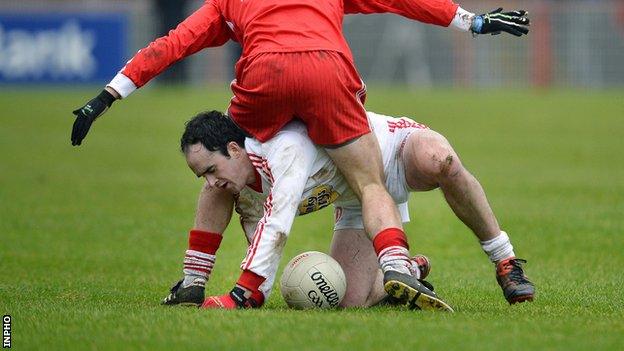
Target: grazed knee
449 166
444 162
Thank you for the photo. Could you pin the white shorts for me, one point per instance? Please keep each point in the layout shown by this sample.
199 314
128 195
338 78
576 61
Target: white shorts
348 210
351 218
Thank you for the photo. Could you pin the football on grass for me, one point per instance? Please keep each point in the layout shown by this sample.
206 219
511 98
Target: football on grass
313 280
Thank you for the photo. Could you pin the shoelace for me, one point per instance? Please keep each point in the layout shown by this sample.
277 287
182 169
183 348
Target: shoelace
516 273
173 291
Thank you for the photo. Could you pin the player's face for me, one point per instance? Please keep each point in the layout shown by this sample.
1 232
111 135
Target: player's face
229 173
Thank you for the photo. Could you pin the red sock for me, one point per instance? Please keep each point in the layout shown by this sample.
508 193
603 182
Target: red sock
392 250
389 237
205 242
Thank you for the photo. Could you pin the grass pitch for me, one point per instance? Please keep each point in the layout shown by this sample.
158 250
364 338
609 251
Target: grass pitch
92 237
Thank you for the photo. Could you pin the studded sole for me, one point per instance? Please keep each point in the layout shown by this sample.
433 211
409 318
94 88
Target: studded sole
413 299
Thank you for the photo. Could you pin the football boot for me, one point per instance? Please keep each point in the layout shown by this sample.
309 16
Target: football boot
516 286
410 292
422 263
191 295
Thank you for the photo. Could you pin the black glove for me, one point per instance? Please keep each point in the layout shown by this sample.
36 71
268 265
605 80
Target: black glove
514 22
88 113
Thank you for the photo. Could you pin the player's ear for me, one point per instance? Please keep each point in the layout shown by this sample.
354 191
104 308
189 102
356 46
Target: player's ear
234 149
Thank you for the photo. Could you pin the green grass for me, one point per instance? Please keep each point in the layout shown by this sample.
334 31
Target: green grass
92 237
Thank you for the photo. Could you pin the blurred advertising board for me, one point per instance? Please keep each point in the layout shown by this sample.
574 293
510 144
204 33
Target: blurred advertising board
61 48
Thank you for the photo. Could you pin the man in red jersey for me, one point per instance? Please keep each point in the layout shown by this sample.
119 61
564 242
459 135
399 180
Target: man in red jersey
296 64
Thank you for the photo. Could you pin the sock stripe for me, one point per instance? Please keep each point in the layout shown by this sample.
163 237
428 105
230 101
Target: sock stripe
198 265
199 254
197 271
392 250
200 259
395 258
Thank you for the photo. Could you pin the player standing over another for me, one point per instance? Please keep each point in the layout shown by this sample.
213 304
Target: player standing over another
296 62
254 177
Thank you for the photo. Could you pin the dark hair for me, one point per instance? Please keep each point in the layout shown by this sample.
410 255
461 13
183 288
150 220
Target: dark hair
214 130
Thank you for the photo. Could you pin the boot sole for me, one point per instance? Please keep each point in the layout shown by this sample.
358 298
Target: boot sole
520 299
413 298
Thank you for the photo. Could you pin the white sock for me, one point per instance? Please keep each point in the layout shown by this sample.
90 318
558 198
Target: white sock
396 258
197 267
498 248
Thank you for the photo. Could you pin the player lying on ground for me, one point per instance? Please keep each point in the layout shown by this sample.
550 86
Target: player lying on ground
269 183
296 62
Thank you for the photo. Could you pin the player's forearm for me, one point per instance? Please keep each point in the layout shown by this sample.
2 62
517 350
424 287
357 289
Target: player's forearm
437 12
462 20
204 28
269 239
288 159
271 232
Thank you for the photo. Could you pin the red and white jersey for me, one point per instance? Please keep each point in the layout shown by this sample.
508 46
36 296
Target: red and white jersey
262 26
295 177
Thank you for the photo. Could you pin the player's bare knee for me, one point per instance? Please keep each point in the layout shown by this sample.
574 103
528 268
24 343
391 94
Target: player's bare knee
444 162
447 166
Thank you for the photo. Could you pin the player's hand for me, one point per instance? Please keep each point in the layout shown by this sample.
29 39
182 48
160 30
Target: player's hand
88 113
514 22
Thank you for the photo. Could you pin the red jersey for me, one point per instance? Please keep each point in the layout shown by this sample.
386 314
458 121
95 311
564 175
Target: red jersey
262 26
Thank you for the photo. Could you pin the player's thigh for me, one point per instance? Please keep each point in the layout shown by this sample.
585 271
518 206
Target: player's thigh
262 104
330 98
427 157
354 251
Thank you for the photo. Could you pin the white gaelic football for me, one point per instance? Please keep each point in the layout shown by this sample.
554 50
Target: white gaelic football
313 280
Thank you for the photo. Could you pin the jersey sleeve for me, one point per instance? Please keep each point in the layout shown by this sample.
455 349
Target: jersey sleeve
204 28
288 163
438 12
